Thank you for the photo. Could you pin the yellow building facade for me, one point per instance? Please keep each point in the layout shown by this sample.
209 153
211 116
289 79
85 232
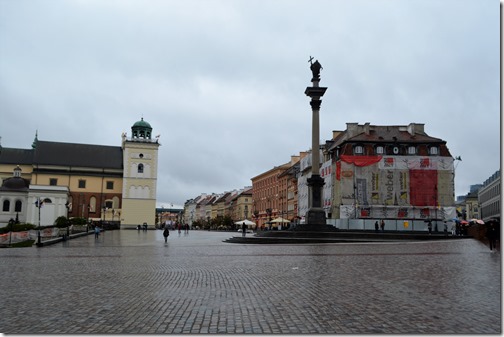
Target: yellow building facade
103 183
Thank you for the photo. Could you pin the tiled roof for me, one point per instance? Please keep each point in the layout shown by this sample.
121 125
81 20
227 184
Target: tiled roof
391 135
81 155
383 134
16 156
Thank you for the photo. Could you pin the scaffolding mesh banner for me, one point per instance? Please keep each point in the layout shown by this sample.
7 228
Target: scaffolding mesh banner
397 212
415 186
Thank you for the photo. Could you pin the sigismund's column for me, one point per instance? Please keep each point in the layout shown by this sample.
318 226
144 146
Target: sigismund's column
316 214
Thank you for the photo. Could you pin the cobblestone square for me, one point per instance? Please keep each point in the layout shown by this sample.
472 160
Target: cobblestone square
132 282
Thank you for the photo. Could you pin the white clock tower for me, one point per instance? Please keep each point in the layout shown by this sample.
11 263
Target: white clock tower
140 164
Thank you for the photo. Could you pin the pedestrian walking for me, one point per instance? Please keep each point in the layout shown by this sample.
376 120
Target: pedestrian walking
244 229
376 226
96 232
491 234
445 229
382 225
429 227
166 234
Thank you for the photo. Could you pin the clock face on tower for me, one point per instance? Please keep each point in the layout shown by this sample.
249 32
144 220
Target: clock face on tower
395 150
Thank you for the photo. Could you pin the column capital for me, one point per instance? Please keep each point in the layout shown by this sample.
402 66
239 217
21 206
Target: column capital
315 104
315 92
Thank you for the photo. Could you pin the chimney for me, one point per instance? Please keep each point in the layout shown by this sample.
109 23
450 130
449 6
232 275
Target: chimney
336 134
414 128
352 129
366 128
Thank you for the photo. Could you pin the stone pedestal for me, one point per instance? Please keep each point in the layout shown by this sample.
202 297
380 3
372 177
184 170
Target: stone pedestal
315 214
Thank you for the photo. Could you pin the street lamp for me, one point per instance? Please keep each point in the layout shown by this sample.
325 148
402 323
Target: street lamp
38 203
11 228
87 222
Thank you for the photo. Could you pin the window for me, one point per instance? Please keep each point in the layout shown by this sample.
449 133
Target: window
110 185
18 206
92 204
411 150
358 149
82 184
433 151
379 150
115 202
53 181
6 206
140 168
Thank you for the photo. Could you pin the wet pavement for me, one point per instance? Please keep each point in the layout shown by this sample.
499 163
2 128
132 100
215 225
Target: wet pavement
133 282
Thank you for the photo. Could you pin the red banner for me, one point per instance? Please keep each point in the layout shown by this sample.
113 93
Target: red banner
361 160
423 187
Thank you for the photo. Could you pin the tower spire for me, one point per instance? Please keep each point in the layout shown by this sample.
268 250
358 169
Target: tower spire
34 144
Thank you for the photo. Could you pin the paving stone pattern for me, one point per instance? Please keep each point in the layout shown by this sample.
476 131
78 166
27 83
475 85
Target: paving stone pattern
130 282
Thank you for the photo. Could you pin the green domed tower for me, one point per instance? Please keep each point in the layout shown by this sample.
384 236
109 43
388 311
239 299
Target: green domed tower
141 129
140 165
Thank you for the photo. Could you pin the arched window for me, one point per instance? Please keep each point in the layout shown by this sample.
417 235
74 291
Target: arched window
115 202
6 206
140 168
18 206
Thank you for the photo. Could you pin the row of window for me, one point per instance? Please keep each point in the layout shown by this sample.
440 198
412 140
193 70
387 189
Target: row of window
18 206
491 210
91 207
489 193
380 150
82 183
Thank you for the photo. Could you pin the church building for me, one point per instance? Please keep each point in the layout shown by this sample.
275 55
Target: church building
116 184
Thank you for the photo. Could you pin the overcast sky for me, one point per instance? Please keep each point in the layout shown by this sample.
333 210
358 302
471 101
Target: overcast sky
223 82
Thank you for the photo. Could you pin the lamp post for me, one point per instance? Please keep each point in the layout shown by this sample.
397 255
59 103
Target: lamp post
87 222
67 220
11 227
38 204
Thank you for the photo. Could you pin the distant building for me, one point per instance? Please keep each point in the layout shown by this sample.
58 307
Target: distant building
489 197
472 208
270 193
